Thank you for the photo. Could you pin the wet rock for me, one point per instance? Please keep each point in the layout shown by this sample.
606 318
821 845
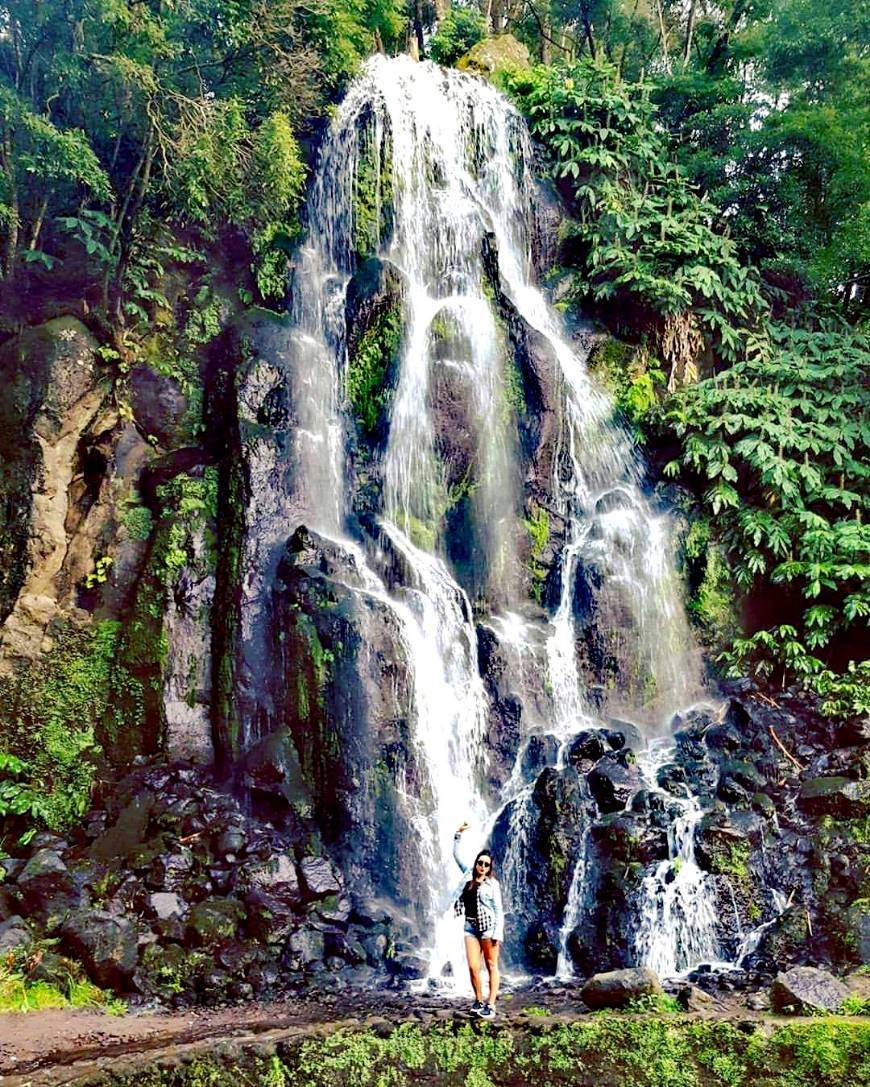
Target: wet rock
169 871
613 784
806 989
408 964
15 936
272 767
159 405
278 877
231 841
319 877
46 887
837 796
304 948
587 748
859 925
617 988
166 904
540 752
106 945
502 53
854 733
271 918
214 919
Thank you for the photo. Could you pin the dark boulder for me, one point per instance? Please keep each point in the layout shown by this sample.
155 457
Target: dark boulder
276 877
271 918
46 887
807 990
15 936
106 945
618 988
837 796
159 405
214 919
319 877
613 784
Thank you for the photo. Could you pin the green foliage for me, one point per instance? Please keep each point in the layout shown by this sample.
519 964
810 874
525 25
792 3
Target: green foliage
459 30
633 378
26 985
643 1050
537 524
368 388
51 711
642 234
779 443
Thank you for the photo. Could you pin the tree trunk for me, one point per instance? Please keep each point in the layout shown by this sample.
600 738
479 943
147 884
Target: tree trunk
6 163
664 37
690 29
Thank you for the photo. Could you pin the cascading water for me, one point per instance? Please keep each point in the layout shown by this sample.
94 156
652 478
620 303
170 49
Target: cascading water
434 169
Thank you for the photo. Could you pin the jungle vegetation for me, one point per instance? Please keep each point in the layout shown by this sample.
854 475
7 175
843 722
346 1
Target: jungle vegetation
712 159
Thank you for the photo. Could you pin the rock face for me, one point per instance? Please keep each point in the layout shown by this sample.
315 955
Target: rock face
106 945
618 988
805 990
53 390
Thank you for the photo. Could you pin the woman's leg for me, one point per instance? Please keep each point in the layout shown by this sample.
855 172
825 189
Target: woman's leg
490 954
472 953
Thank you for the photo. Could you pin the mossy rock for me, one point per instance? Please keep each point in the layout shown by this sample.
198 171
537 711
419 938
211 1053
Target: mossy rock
214 919
493 56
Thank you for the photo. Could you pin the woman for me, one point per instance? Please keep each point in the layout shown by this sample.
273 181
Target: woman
481 904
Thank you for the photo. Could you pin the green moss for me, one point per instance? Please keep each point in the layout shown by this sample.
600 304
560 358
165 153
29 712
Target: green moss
368 388
373 194
50 711
537 524
603 1049
731 859
31 980
633 378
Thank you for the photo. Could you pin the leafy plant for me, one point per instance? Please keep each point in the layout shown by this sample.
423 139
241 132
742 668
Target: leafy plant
459 30
778 444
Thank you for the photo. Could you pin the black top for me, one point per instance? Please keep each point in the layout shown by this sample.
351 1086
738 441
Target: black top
469 900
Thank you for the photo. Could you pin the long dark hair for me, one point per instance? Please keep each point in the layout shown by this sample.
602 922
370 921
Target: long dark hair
490 874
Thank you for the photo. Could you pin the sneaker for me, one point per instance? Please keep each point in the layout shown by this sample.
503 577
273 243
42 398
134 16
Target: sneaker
477 1007
487 1012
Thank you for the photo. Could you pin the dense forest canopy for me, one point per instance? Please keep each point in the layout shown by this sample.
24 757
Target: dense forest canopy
712 162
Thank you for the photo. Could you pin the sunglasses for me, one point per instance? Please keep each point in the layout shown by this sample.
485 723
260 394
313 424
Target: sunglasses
483 864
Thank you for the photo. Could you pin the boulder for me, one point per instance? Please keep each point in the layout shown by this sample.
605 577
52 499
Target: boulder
613 784
304 947
617 988
805 990
319 877
214 919
502 53
166 905
854 732
271 918
838 796
859 924
277 877
106 945
159 405
46 886
15 935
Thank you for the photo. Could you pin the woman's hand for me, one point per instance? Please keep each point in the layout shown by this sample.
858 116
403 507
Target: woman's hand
462 827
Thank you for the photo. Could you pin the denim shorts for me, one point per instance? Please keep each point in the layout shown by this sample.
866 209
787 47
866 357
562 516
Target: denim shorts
472 929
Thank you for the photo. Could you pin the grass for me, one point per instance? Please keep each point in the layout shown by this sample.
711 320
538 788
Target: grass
19 993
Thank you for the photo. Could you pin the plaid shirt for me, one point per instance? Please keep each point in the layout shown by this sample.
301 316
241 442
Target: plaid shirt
485 917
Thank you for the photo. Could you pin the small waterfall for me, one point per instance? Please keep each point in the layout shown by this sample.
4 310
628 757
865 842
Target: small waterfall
677 905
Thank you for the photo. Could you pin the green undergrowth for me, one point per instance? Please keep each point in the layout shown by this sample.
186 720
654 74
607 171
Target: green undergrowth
37 978
603 1050
49 715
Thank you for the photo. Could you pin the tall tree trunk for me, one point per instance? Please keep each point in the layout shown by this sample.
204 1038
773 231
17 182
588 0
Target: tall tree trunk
37 226
418 28
664 37
690 29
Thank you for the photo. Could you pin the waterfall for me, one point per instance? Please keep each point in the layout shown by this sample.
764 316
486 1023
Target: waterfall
433 169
